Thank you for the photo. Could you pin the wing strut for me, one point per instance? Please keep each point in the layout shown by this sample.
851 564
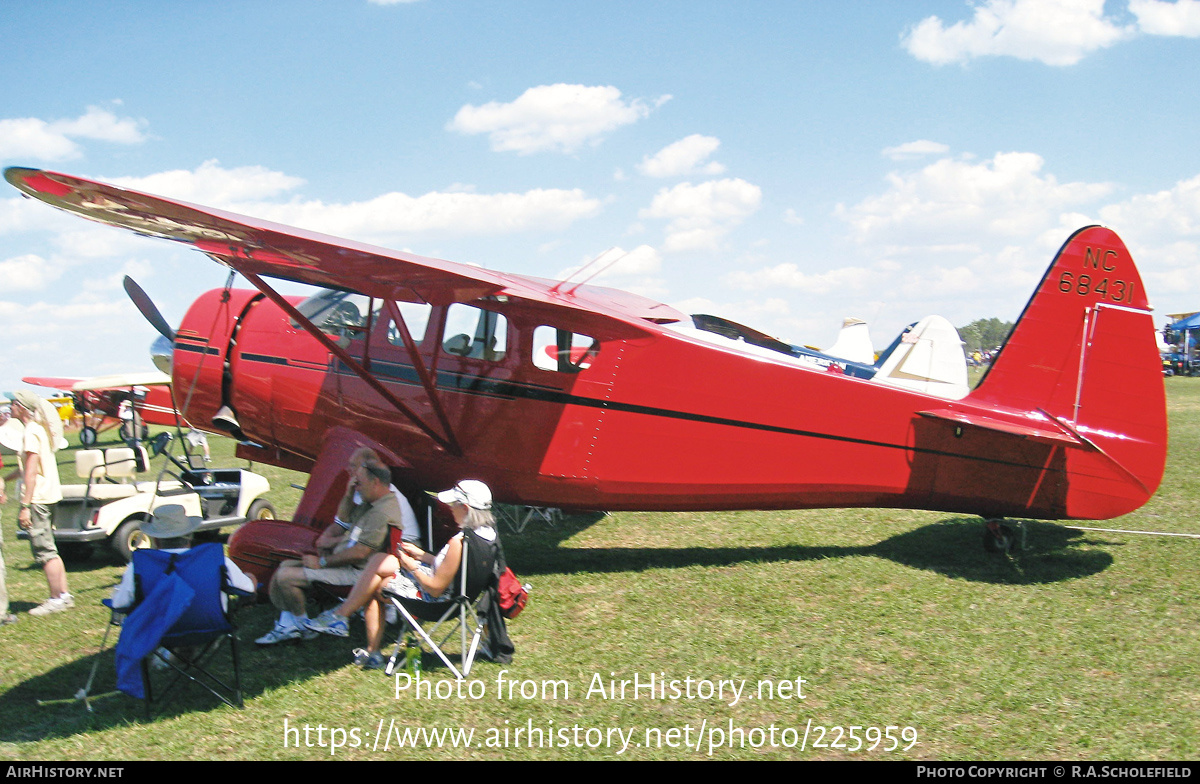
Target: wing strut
427 380
449 442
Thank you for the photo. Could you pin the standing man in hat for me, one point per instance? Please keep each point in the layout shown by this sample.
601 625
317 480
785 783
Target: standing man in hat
171 528
40 490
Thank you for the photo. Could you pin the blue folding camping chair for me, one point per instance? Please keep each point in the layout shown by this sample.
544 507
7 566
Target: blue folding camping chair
179 609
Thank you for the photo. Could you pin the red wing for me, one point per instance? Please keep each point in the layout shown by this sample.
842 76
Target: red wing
260 247
52 383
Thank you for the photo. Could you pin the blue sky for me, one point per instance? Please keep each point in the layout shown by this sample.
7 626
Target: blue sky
782 164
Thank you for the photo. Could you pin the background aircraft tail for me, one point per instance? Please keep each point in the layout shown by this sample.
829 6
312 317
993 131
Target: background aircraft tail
1083 354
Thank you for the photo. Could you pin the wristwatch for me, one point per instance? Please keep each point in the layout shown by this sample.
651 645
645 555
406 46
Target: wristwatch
321 561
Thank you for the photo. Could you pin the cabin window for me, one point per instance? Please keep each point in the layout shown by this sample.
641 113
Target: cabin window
475 333
342 315
416 318
562 350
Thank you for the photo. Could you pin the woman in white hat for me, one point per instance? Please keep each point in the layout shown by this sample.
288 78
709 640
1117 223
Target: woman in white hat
412 573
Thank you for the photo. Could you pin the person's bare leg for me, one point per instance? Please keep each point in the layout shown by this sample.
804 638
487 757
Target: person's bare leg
287 589
373 615
56 577
379 569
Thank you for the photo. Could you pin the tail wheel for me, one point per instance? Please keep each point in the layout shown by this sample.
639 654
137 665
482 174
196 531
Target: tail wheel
261 509
998 538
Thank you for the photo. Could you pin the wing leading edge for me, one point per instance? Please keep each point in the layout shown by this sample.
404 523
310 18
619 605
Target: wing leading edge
264 248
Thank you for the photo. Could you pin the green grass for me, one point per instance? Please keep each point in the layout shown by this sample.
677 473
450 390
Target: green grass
1084 646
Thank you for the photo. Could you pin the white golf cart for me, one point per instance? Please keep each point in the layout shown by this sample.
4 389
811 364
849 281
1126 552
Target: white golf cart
112 505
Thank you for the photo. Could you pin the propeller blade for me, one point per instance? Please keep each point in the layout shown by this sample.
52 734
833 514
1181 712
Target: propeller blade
148 309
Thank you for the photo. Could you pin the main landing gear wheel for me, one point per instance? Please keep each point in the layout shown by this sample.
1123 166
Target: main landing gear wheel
998 538
128 431
88 436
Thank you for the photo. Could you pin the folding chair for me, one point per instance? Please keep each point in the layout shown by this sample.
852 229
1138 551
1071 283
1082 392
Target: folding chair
472 589
179 609
518 517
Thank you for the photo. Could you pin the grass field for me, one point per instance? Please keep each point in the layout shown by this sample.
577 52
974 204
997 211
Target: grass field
1084 646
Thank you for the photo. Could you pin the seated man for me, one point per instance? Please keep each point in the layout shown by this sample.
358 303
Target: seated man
356 533
171 529
410 529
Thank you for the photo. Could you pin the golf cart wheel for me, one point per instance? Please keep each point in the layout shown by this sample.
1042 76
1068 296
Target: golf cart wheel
88 436
998 538
129 537
261 509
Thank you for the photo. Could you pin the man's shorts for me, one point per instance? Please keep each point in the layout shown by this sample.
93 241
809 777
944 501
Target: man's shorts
333 575
41 534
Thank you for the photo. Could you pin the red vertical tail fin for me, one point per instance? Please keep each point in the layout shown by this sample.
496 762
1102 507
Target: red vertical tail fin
1083 355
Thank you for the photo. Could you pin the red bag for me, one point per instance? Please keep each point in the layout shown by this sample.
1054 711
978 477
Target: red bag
513 595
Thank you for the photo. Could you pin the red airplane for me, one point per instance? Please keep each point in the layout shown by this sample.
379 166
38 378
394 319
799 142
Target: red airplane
99 399
444 369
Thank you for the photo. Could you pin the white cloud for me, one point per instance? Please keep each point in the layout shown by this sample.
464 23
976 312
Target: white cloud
699 216
1157 17
1162 231
1055 32
789 275
616 262
684 157
962 202
636 271
251 190
211 184
917 149
30 137
554 117
392 215
27 273
1174 212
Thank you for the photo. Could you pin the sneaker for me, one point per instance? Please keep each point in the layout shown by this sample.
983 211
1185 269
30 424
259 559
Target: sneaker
367 660
54 604
282 633
329 623
7 618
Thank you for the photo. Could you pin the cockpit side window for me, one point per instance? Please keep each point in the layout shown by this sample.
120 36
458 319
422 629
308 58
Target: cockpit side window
475 333
342 315
416 318
562 350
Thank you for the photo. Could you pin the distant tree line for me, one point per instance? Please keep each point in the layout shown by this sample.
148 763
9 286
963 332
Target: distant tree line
985 334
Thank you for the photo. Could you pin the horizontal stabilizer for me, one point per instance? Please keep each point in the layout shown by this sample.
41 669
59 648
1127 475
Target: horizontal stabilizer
1032 430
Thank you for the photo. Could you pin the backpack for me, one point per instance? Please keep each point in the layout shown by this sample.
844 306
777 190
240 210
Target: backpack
513 595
